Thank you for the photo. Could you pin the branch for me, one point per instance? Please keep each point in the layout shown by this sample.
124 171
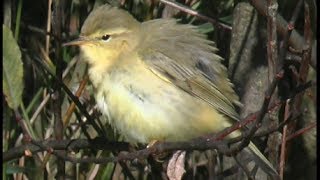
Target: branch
190 11
200 143
71 145
295 40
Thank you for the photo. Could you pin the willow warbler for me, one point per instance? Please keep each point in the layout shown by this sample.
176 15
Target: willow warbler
157 80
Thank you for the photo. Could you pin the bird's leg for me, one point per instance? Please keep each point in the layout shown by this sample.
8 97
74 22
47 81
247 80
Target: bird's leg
158 156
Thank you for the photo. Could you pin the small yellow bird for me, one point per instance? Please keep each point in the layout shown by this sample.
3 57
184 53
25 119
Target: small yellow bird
157 80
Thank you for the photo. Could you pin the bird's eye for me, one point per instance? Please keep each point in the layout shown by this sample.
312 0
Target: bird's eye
105 37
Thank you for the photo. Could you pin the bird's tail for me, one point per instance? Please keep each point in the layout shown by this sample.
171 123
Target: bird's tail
262 161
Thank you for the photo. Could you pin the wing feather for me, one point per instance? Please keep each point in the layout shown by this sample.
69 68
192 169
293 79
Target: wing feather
184 57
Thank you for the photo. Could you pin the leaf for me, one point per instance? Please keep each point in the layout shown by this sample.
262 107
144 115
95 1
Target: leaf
12 69
227 19
176 169
205 28
15 169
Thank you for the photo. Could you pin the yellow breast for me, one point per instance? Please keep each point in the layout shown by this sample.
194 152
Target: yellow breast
144 107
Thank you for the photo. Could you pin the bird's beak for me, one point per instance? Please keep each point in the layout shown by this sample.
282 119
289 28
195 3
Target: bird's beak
77 42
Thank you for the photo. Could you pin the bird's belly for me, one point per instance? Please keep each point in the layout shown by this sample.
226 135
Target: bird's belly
147 108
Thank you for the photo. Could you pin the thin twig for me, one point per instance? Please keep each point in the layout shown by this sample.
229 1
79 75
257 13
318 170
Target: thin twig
46 99
272 49
186 9
289 31
295 40
74 99
263 110
301 131
48 27
283 150
23 126
39 30
283 142
72 105
304 67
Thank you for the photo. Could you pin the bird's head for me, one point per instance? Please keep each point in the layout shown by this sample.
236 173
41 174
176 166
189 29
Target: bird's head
106 33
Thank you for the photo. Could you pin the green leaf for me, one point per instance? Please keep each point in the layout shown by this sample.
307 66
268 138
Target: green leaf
205 28
227 19
15 169
12 69
106 171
